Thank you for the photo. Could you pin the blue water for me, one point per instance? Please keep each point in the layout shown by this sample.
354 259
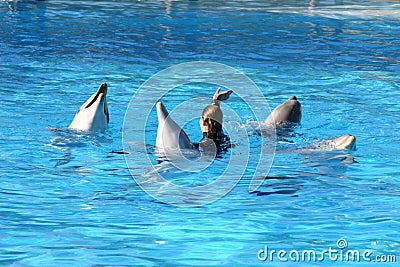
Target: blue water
67 200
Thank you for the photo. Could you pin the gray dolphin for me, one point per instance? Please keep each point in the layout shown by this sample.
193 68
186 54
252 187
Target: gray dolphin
169 134
346 141
289 111
93 114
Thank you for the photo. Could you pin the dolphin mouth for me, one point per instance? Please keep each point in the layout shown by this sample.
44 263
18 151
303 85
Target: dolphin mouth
101 93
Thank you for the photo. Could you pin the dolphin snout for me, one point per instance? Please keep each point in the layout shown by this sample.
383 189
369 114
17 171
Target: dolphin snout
162 111
103 88
296 112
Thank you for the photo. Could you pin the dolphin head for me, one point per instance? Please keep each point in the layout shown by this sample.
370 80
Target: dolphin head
289 111
346 141
295 109
162 112
169 134
93 114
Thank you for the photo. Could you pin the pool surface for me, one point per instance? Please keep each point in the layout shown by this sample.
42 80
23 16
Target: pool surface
69 199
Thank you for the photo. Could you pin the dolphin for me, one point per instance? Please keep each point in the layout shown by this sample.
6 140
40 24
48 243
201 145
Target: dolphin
169 134
346 141
289 111
93 114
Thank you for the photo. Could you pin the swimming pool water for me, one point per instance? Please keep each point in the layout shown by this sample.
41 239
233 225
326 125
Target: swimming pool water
68 199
